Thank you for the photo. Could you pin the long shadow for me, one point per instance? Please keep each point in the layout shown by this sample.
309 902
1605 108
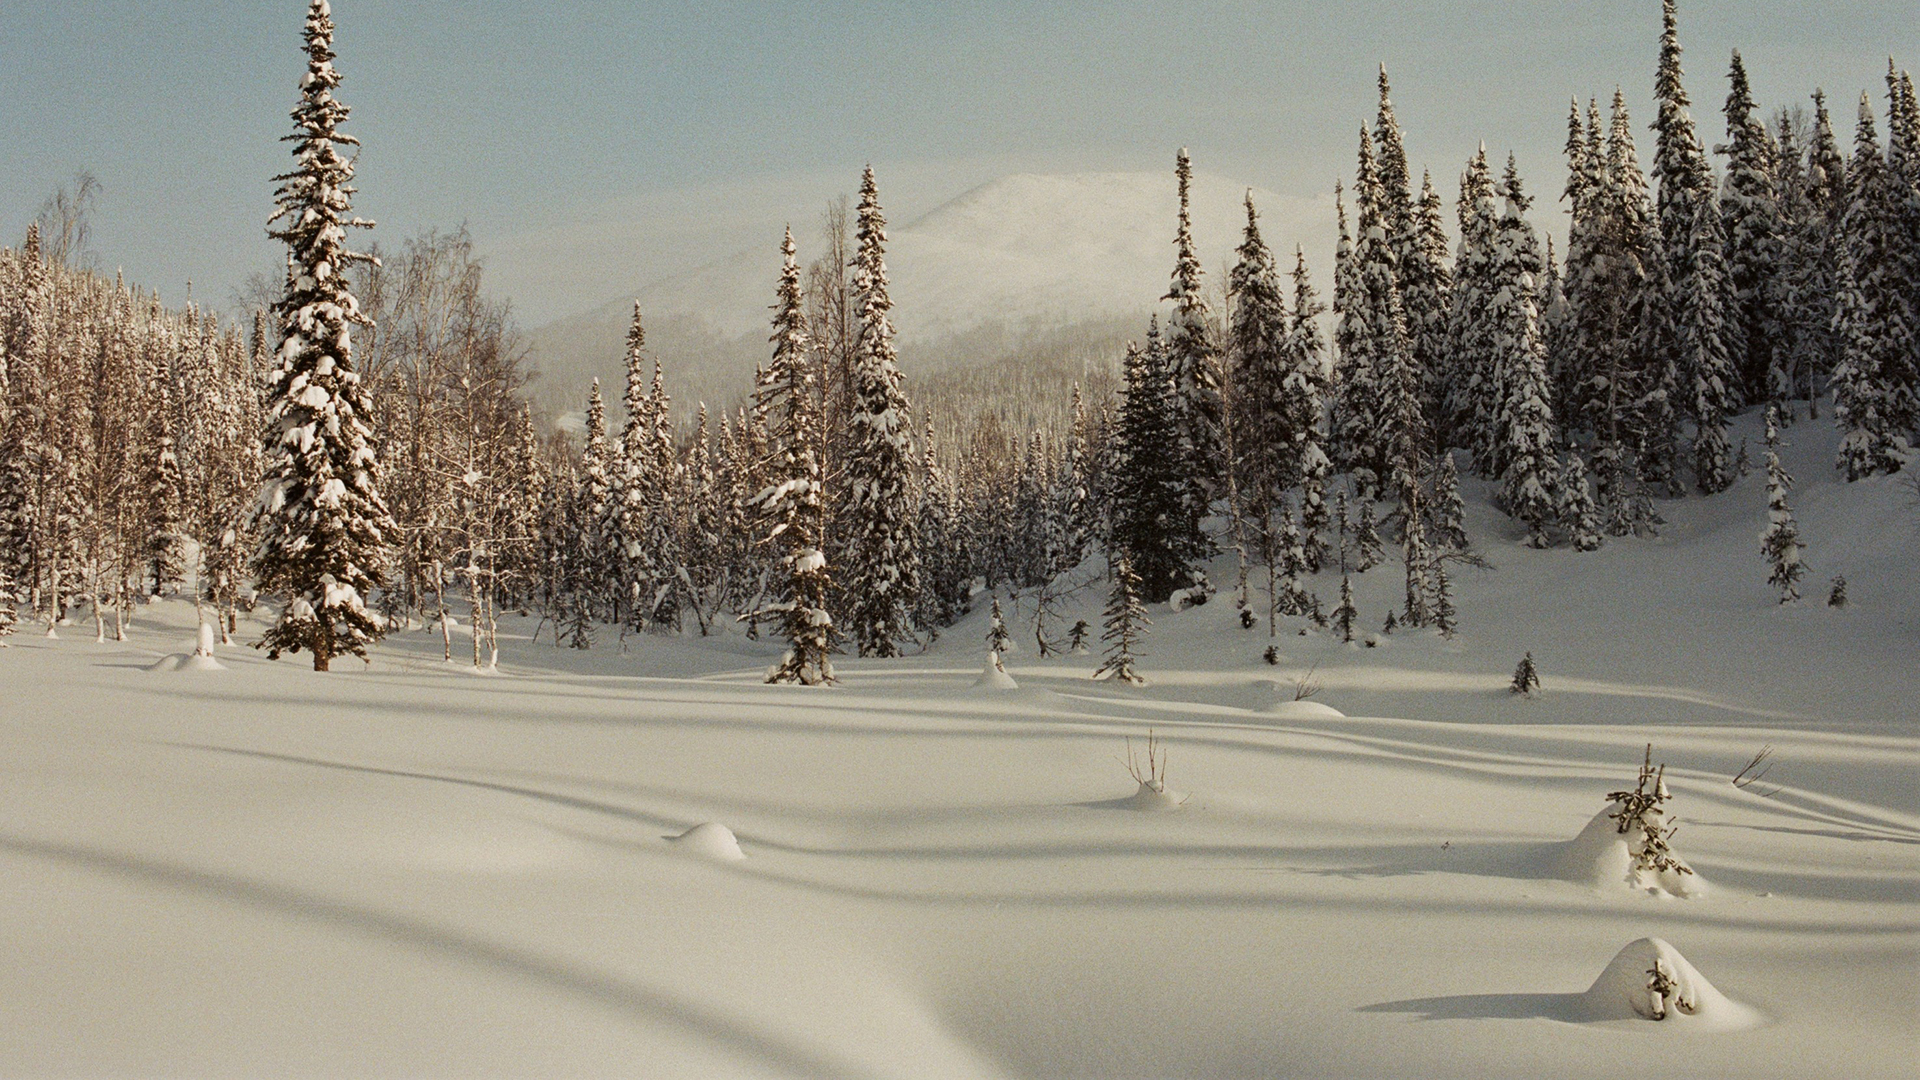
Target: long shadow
1562 1007
633 999
570 801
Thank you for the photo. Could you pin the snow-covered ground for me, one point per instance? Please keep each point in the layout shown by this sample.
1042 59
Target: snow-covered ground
408 869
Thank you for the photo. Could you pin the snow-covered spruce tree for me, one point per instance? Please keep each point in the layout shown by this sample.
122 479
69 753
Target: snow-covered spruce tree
1303 391
1377 356
323 527
1288 596
9 615
883 575
1077 637
1126 622
1449 510
1526 677
1713 377
1257 345
1579 515
1366 540
1684 181
998 640
1812 278
1877 388
1522 424
1469 363
1445 616
1780 543
631 502
589 562
165 490
668 516
793 505
1751 216
1346 614
1194 361
1076 497
1152 519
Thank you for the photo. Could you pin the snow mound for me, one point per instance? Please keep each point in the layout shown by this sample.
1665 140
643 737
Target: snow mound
1603 857
711 840
1303 710
995 677
1630 989
1153 797
186 662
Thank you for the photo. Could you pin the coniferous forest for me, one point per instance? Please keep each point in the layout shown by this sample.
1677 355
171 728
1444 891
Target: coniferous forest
1347 629
361 455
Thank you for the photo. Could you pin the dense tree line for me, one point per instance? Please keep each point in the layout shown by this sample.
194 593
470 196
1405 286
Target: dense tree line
364 454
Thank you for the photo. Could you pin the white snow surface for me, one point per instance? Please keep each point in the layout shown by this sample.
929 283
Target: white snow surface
1623 993
396 870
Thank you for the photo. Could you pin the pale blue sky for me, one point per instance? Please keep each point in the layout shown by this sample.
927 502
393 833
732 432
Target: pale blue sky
696 128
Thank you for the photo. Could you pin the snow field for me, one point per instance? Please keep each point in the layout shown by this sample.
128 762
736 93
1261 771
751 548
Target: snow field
397 870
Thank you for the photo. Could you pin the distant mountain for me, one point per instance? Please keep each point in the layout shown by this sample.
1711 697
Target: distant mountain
1023 259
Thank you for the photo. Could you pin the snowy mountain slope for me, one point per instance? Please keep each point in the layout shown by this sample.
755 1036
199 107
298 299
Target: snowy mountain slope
1024 252
409 869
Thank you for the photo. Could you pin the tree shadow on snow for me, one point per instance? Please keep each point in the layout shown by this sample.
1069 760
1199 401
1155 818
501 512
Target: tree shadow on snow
1562 1007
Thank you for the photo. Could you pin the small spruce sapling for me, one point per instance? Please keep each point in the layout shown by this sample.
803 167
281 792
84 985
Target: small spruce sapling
1780 542
1271 656
1641 810
1366 540
1837 595
1664 990
1126 620
1391 624
998 640
1077 638
1526 677
1346 613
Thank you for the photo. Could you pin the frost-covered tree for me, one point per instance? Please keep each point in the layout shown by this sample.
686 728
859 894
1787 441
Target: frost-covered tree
626 525
1346 614
1193 360
324 529
1702 293
1874 389
793 505
1366 540
1526 677
1304 390
883 573
1780 542
1579 515
1257 341
1811 279
998 640
1751 216
1684 180
1519 417
1126 623
1469 368
1449 510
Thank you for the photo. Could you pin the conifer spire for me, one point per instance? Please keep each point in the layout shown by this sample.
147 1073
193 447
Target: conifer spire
324 529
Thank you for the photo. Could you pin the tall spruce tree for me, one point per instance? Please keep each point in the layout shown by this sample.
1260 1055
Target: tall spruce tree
1703 292
883 574
1873 385
1469 348
1751 217
1152 520
1684 181
1780 542
1193 359
324 529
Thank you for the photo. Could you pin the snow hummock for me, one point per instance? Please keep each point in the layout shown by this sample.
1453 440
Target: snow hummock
1303 710
1623 992
712 840
1154 796
994 676
1602 856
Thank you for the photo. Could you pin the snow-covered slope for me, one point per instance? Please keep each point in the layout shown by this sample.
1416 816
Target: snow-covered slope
1022 252
407 870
